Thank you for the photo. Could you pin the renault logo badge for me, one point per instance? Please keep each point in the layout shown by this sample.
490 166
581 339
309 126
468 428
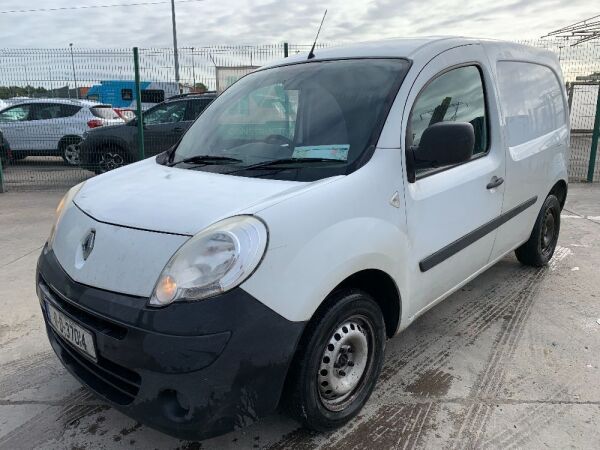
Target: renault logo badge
88 244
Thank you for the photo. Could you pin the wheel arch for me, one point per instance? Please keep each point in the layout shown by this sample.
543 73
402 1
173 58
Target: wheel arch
382 287
560 190
95 148
63 140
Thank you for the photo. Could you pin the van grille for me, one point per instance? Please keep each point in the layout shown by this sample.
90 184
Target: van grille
87 319
117 383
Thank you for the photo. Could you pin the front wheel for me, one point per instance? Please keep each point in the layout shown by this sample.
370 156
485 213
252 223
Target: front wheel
110 159
338 361
538 250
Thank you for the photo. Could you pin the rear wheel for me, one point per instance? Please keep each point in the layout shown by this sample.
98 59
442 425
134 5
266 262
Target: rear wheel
538 250
338 361
69 150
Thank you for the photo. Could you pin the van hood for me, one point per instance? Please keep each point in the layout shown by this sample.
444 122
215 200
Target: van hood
150 196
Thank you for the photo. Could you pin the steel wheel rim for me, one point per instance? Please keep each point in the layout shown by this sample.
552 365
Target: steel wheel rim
110 160
548 235
345 363
72 154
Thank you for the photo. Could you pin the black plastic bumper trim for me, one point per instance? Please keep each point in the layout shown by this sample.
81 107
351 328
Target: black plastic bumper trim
227 356
461 243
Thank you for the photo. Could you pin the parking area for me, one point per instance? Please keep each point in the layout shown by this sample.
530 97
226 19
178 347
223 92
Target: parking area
36 173
510 360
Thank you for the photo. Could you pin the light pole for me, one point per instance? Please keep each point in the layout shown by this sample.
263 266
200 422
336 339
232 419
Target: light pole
175 54
74 77
193 71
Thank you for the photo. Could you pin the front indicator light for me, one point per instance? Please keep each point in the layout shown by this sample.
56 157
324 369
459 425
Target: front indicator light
166 290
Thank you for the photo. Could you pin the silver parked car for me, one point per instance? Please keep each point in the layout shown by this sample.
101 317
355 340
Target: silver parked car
52 126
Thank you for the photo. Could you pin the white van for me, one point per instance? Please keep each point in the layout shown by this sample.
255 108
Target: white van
314 210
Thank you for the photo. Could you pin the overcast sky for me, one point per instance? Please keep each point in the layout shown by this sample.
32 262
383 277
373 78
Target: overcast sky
272 21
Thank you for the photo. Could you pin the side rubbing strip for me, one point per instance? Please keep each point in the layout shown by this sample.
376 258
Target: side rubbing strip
461 243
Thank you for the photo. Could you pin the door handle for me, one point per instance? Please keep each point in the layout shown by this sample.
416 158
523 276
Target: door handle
495 182
178 129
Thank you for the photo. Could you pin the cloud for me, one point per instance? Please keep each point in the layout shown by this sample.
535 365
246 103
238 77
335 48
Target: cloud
271 21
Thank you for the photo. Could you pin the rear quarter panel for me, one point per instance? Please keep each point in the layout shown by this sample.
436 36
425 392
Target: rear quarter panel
533 166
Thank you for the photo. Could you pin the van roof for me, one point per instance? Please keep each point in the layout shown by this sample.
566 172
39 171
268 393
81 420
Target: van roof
412 48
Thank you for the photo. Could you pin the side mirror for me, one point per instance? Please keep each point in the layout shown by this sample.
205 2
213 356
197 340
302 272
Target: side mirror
442 144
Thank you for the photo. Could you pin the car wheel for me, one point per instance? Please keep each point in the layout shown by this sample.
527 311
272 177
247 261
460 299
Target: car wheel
70 151
109 160
538 250
338 361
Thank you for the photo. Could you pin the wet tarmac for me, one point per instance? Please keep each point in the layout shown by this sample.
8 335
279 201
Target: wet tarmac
509 361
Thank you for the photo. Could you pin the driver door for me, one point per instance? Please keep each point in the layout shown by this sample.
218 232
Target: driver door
452 212
163 126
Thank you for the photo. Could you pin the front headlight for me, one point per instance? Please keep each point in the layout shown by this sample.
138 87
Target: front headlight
215 260
60 209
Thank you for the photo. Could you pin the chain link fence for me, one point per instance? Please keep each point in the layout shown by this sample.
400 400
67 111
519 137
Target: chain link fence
581 70
49 99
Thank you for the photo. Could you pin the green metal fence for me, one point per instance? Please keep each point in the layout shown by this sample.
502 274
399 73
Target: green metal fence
41 142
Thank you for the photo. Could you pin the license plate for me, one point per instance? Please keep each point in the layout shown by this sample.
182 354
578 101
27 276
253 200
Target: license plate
71 332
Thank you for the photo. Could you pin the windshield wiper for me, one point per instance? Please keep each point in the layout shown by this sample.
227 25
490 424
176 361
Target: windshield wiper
283 161
207 159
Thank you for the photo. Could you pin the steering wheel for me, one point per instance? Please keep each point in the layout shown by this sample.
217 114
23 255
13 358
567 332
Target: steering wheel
277 139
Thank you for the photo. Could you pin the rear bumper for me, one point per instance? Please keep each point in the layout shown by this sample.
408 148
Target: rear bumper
193 370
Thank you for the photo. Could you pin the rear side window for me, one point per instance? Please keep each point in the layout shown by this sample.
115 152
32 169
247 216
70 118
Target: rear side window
69 110
104 112
454 96
531 99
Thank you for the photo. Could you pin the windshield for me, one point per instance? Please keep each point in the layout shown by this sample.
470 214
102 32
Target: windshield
318 118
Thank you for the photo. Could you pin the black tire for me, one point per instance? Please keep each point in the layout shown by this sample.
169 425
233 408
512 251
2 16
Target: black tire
538 250
306 396
69 150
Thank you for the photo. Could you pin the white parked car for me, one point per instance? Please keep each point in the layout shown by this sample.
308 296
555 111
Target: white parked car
313 211
52 126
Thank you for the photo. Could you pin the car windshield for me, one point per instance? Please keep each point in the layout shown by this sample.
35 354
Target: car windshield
300 122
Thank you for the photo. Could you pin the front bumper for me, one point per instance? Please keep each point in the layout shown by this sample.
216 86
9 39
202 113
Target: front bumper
192 370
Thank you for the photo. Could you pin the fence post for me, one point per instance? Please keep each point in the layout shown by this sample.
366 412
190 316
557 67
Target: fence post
594 147
1 177
138 103
285 49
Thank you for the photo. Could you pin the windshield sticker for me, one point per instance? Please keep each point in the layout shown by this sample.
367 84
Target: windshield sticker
333 151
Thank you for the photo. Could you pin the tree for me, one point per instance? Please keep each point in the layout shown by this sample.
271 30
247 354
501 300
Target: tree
200 88
22 91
